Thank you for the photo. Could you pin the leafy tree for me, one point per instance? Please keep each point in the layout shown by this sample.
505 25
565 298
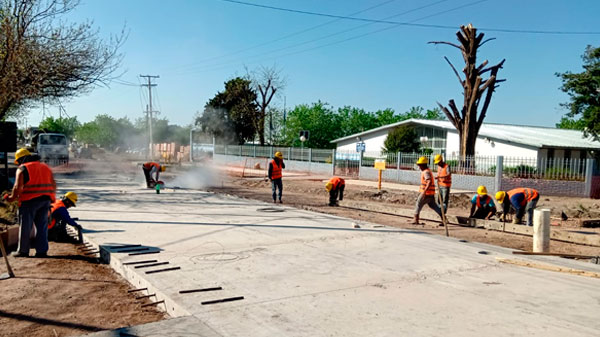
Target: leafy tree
354 120
584 92
108 132
418 112
571 124
43 57
232 114
402 139
319 119
66 126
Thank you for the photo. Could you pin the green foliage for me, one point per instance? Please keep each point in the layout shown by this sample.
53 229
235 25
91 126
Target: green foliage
318 118
402 139
66 126
584 93
571 124
521 170
232 115
417 112
108 132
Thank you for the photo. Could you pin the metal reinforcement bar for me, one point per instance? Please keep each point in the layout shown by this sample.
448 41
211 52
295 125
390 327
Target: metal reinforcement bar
199 290
140 262
223 300
123 246
152 265
144 253
145 296
153 303
136 290
128 250
162 270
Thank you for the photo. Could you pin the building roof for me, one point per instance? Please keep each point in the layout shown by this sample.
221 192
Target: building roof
535 136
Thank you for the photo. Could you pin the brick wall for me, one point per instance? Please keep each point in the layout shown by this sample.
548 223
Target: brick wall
548 187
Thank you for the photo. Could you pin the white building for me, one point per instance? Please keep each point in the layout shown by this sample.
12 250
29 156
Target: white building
493 140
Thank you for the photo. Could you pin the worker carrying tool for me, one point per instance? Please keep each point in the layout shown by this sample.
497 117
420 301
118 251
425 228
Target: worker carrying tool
59 219
335 186
34 188
426 191
150 169
275 174
482 205
522 200
444 179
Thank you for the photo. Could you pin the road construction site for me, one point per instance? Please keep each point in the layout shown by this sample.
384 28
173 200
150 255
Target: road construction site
220 260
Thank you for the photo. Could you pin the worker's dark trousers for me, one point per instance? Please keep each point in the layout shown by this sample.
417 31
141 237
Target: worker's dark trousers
30 213
333 195
149 179
275 185
482 213
58 233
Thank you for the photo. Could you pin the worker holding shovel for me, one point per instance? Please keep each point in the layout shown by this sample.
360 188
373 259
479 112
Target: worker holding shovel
426 191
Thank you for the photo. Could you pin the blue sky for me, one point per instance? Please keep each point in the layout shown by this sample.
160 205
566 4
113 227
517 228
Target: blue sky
192 46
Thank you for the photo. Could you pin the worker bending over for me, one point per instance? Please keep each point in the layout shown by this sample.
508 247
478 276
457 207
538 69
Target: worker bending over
35 189
275 174
426 191
150 169
335 186
482 205
522 200
60 218
444 179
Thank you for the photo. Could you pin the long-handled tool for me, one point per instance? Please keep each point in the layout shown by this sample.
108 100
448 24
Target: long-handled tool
10 273
441 201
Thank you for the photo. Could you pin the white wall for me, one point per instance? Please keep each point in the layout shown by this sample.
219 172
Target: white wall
373 143
497 148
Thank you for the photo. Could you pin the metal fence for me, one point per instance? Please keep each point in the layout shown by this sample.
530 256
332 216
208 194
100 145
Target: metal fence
545 168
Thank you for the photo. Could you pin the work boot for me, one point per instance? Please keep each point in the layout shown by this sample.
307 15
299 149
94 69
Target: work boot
281 202
19 254
41 255
415 221
274 201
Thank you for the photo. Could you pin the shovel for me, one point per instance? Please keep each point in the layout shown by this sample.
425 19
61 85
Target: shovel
442 209
10 273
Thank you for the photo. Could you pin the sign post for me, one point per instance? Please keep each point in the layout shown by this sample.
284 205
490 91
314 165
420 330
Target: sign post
380 166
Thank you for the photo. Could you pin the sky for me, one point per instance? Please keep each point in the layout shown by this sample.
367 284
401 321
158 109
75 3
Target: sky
195 46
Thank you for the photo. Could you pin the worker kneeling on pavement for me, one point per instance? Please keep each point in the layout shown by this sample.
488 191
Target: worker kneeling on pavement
522 200
151 172
35 189
275 174
444 179
60 218
482 205
335 186
426 191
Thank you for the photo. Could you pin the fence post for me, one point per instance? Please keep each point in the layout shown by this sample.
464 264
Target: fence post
398 161
271 152
499 169
310 155
289 153
241 149
589 175
541 230
360 163
254 151
333 162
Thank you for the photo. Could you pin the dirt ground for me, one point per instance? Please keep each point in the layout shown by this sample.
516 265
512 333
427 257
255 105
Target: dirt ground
309 193
67 294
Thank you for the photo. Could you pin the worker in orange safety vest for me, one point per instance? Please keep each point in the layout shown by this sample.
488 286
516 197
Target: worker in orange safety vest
150 169
275 174
426 191
335 186
59 218
522 200
444 179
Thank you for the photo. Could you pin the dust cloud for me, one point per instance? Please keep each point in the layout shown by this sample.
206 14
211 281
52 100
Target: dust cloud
195 178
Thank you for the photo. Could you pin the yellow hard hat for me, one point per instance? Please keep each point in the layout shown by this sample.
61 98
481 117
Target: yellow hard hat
22 152
438 158
279 155
328 186
71 196
500 195
162 168
481 190
422 160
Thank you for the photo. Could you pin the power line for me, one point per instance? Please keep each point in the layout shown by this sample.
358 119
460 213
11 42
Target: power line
422 25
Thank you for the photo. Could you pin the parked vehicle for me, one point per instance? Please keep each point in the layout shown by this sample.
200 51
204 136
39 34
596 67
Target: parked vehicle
52 147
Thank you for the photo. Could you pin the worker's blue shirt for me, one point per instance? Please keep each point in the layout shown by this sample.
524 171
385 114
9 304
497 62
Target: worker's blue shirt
517 200
62 214
483 204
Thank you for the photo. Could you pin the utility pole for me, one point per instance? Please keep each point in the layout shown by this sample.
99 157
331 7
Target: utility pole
284 114
149 110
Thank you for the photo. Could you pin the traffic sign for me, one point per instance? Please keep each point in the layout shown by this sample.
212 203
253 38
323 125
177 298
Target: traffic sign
360 147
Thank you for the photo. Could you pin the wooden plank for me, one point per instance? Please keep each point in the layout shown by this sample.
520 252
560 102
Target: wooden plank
549 267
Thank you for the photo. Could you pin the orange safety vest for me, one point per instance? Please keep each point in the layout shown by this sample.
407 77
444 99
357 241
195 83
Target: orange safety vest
529 193
485 202
336 182
150 164
276 170
56 205
41 182
431 189
444 176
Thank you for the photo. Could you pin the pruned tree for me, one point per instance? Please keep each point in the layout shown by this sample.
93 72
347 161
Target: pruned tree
267 82
476 89
44 58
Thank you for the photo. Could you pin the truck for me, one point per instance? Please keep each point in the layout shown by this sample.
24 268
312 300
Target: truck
51 147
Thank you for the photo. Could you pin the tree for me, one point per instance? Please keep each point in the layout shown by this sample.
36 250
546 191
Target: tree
232 114
319 119
44 58
476 90
107 132
584 93
66 126
354 120
401 139
266 82
571 124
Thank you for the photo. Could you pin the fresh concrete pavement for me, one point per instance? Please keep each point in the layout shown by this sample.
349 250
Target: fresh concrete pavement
309 274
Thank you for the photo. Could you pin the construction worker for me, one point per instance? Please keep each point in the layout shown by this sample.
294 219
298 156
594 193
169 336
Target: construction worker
426 191
34 188
275 174
522 200
152 168
444 179
335 186
482 205
60 218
